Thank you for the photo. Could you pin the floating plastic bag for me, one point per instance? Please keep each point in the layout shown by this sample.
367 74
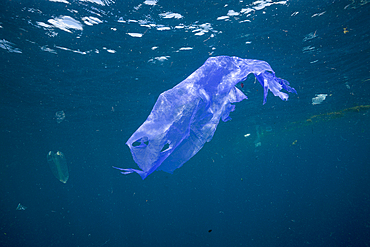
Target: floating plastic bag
185 117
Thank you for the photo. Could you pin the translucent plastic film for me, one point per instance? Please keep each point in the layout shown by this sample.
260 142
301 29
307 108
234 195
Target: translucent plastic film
185 117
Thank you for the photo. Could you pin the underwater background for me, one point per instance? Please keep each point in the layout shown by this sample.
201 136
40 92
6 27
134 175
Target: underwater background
79 77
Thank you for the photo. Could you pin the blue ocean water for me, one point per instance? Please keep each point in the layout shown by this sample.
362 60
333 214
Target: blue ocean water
292 173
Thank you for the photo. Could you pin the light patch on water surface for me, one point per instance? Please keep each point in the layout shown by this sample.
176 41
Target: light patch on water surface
261 4
66 23
222 18
59 1
90 21
100 2
186 48
47 49
255 6
135 35
170 15
6 45
75 51
310 36
151 2
232 13
158 59
318 14
163 28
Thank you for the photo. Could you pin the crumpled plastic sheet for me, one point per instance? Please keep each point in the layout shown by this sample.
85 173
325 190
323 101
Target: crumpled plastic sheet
185 117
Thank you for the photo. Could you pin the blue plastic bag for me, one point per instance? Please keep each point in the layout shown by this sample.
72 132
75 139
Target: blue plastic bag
185 117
